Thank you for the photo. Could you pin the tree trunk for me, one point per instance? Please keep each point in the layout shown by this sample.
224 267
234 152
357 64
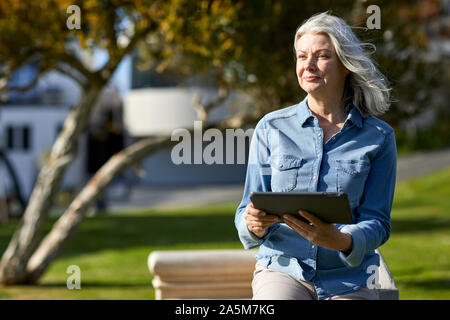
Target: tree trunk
26 238
67 224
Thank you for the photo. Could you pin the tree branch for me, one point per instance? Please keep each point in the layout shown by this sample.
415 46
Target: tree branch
30 85
81 82
67 224
114 59
76 64
202 110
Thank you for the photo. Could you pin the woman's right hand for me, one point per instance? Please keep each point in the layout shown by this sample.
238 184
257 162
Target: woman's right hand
258 221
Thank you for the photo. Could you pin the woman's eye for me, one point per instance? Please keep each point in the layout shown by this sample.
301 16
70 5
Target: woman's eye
323 56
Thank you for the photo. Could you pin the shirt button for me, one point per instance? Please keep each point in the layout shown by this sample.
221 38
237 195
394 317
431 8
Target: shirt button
313 247
355 172
281 166
318 156
319 134
314 177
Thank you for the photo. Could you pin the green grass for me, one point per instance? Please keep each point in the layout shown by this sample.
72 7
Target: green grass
112 249
418 252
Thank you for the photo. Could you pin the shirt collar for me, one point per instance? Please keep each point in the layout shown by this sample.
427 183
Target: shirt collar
355 116
304 114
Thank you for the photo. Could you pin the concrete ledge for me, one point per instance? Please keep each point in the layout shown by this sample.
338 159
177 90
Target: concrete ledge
221 274
388 290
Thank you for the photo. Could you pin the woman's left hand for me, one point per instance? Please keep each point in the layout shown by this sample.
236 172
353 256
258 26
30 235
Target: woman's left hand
320 233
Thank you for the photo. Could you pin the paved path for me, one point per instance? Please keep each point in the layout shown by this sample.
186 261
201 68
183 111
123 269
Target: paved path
421 163
408 167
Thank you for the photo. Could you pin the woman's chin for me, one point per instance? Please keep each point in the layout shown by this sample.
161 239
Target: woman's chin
312 89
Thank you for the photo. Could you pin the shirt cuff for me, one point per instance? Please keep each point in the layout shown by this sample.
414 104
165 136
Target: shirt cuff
356 256
249 239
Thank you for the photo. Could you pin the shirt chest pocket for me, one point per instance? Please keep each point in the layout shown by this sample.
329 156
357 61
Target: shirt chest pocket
351 178
284 172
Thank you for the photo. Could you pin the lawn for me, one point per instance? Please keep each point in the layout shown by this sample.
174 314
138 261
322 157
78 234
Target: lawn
112 249
418 252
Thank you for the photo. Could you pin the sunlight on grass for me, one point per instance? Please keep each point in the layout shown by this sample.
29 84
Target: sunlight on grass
112 249
418 251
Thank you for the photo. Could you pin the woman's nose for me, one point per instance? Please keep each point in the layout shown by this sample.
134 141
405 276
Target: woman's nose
310 64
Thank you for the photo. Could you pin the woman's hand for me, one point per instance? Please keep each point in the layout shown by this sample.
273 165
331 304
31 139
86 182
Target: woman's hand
258 221
320 233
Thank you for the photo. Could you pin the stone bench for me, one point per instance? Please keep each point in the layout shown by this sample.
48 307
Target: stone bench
221 274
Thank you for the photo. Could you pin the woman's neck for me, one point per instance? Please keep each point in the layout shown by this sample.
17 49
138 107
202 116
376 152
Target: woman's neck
328 110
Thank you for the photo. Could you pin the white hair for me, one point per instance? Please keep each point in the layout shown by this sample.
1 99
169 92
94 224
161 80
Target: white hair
365 85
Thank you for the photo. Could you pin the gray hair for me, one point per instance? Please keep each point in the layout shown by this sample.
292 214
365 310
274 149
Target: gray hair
366 86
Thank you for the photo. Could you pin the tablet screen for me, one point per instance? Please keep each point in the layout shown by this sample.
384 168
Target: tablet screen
330 207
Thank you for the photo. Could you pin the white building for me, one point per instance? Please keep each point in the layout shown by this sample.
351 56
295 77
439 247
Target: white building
161 110
29 128
28 133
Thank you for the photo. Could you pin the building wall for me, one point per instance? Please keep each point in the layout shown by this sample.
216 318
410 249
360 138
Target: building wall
160 170
162 111
44 123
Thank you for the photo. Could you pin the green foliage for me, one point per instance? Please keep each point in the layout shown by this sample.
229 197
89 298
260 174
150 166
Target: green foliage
246 45
434 137
265 69
37 31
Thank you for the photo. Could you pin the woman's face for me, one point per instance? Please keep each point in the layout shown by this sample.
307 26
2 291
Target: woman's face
319 70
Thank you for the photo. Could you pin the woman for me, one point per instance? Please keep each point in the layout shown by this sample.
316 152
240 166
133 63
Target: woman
331 141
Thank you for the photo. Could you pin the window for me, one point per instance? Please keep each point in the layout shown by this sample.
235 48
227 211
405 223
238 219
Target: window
18 137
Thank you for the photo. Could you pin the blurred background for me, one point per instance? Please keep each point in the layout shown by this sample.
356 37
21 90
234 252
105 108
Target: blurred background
81 84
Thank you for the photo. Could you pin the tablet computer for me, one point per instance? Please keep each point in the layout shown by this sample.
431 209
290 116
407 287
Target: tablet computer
331 207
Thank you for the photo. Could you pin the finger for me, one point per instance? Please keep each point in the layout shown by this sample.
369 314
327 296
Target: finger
256 212
303 232
260 224
256 225
255 216
297 222
268 218
310 217
251 206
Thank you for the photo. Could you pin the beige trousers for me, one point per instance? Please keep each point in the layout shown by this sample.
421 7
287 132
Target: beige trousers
273 285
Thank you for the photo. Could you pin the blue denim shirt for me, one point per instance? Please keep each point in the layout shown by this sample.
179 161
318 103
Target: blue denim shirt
287 154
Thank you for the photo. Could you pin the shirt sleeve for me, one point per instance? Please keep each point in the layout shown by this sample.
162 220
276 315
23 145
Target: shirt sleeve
258 178
373 224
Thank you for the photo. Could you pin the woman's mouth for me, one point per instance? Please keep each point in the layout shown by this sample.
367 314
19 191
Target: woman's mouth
311 78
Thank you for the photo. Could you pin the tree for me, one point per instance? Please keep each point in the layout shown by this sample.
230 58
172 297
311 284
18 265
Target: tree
246 45
38 32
